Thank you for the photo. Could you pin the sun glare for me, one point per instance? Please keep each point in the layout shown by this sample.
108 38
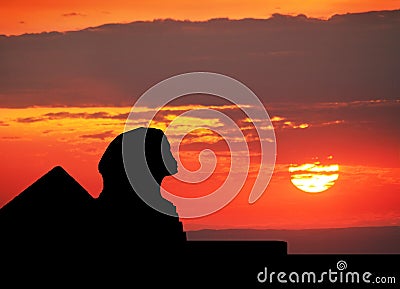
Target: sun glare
314 177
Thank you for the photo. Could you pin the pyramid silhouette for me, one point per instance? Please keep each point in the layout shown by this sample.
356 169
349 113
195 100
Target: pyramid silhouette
56 193
54 210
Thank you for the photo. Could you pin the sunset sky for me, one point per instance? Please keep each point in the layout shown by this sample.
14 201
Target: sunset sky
329 85
23 16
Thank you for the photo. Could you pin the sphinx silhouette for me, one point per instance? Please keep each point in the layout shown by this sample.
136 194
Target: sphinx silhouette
56 210
123 203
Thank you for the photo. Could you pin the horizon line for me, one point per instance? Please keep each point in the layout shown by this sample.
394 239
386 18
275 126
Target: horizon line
293 229
222 18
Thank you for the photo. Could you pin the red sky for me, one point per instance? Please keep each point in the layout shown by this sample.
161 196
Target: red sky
366 193
22 16
330 87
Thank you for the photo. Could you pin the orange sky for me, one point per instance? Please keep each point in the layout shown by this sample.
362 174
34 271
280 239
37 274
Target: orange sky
38 138
331 101
25 16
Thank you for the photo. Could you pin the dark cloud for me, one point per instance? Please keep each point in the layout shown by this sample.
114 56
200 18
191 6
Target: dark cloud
2 123
65 114
30 119
102 136
72 14
282 59
381 113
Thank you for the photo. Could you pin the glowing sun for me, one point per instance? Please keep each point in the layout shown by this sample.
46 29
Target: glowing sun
314 177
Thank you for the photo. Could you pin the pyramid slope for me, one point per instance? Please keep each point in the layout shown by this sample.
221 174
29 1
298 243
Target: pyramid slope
56 194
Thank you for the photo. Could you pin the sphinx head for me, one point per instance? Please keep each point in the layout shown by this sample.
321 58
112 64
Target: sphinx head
137 158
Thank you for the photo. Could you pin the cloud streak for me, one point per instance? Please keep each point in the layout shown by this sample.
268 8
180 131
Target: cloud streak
101 136
73 14
69 115
30 119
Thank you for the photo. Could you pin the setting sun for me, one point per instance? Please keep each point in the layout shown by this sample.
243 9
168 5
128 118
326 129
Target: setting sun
314 177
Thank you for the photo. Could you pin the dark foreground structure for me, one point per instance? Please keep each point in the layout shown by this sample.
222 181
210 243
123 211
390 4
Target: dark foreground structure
56 223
